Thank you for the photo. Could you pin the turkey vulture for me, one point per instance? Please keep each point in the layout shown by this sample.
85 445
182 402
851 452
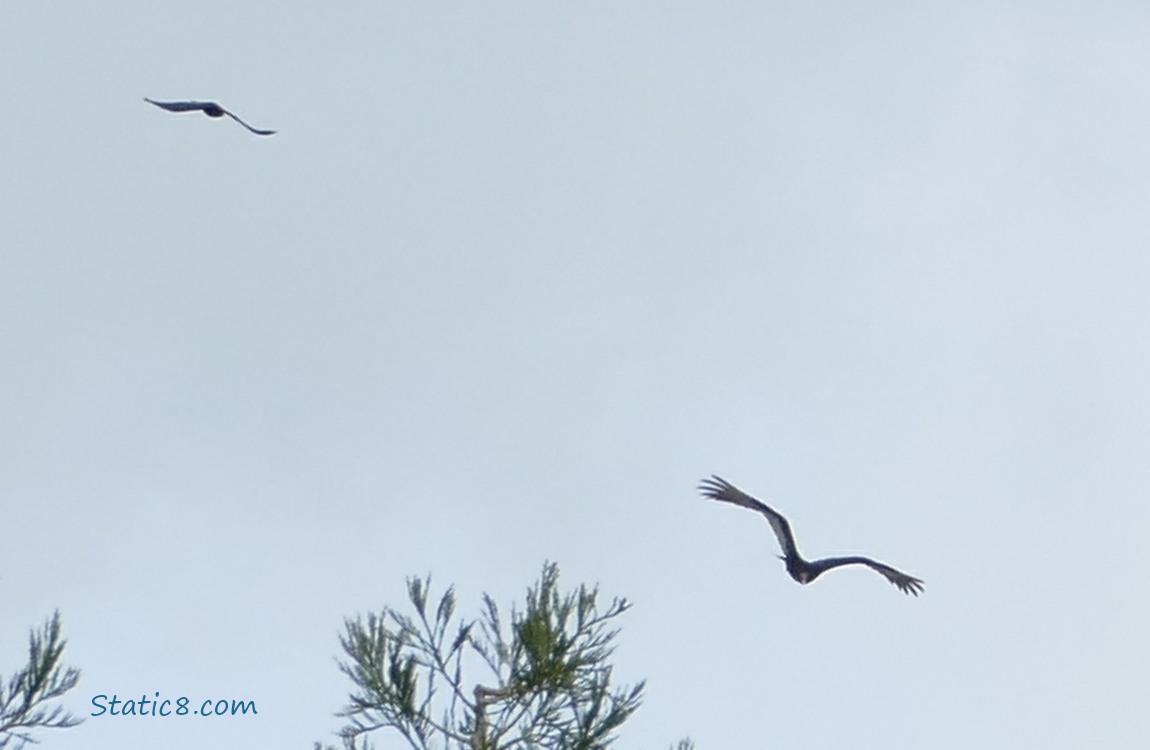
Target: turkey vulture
801 570
211 109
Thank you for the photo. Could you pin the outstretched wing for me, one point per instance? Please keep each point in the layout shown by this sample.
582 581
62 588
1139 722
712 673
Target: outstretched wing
209 108
249 127
906 584
180 106
720 489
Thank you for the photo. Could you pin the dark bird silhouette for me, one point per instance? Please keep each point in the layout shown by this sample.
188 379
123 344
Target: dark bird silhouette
211 109
803 571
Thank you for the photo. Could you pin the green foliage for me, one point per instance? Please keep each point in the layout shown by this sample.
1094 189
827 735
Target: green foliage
545 678
23 699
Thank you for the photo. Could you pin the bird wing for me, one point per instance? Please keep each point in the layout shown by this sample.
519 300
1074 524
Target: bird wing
249 127
720 489
180 106
906 584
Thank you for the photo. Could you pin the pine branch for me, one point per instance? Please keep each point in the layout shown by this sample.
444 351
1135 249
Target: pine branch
23 700
548 682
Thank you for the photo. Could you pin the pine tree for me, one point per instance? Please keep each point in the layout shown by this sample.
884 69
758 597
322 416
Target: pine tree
545 678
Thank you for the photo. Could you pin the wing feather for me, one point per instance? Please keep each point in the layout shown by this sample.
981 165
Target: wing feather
180 106
720 489
907 584
249 127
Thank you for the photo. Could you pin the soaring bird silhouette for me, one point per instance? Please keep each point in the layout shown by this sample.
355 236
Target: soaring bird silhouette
803 571
211 109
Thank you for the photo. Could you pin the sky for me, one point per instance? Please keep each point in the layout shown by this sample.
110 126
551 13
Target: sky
511 279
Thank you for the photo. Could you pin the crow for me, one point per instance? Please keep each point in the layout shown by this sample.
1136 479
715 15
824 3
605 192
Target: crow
803 571
211 109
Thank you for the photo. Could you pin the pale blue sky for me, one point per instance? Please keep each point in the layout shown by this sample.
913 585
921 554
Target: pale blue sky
511 279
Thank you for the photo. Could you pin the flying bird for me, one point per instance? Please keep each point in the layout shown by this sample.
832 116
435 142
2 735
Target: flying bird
803 571
211 109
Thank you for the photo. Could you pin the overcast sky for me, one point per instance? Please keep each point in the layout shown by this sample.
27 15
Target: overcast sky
511 278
